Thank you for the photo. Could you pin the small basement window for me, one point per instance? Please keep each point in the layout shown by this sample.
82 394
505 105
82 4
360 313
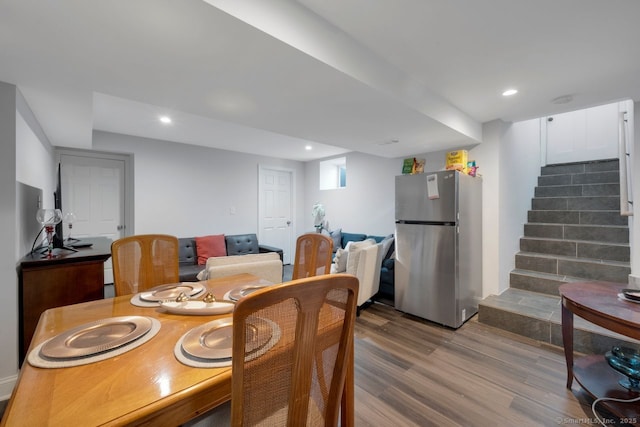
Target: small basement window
333 173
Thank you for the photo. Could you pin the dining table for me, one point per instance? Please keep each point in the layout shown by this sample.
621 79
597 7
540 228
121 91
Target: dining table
146 385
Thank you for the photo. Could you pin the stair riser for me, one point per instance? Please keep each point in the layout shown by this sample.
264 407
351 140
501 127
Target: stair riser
578 232
582 269
534 284
548 331
607 165
603 203
578 190
576 249
516 323
609 177
575 217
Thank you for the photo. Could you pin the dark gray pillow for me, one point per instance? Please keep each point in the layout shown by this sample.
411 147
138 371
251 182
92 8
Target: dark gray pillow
336 235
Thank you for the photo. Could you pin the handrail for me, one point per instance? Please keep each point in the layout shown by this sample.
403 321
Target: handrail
626 205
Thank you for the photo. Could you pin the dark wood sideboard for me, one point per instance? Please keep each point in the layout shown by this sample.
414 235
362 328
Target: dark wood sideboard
67 278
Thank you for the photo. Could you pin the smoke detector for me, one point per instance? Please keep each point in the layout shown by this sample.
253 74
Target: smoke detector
564 99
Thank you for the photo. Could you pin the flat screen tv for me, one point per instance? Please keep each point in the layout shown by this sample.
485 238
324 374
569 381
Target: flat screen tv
58 238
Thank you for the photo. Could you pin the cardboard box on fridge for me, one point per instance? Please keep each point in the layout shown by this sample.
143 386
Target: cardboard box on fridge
457 160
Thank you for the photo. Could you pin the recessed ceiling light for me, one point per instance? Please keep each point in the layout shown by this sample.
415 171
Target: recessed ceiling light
307 147
165 119
509 92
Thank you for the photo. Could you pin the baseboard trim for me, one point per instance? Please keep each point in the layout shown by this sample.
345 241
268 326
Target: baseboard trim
634 281
6 386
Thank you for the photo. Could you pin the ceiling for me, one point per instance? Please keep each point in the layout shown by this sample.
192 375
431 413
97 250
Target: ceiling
271 77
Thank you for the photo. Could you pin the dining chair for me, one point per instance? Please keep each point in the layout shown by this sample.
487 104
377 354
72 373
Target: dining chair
314 252
292 358
143 261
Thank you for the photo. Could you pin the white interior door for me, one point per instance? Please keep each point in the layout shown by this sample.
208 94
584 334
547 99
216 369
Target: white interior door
590 134
275 210
93 189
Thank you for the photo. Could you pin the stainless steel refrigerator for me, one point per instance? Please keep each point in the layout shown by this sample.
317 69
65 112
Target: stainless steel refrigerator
438 266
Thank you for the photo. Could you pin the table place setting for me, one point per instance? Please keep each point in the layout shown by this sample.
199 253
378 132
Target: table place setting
154 296
94 341
210 345
236 293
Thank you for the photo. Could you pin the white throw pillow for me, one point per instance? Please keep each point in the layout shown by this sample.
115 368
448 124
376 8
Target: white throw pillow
340 260
339 264
354 253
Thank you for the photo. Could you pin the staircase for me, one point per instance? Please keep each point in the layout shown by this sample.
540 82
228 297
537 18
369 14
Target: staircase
574 233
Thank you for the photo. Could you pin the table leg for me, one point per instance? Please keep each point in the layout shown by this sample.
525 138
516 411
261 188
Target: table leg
567 341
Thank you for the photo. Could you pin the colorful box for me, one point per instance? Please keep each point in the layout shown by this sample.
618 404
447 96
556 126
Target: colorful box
412 166
457 160
407 166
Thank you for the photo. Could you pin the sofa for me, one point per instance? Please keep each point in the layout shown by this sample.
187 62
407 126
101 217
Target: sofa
372 262
191 263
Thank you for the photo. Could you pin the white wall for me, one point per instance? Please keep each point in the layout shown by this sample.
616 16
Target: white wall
34 166
9 300
187 190
520 168
366 205
487 157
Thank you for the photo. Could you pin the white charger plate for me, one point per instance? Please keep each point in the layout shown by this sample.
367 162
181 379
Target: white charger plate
197 308
171 291
97 337
236 293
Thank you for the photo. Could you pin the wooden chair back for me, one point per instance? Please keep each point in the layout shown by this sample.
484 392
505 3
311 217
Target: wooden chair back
293 353
314 252
143 261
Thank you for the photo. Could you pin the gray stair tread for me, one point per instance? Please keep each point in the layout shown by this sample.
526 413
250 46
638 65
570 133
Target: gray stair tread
531 304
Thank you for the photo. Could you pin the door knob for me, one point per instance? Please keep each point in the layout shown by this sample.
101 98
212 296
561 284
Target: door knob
288 222
120 227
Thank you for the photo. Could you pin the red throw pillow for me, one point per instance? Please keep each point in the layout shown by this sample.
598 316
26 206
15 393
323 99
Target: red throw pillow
210 246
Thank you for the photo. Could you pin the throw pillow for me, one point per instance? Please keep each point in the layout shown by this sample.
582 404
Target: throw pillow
336 235
386 246
340 260
210 246
354 253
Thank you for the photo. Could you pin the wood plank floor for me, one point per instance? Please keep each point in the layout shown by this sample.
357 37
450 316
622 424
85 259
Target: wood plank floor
410 372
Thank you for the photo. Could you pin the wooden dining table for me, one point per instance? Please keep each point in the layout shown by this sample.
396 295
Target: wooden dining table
144 386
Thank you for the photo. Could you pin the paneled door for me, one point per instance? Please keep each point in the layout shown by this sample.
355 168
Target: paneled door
93 189
275 190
